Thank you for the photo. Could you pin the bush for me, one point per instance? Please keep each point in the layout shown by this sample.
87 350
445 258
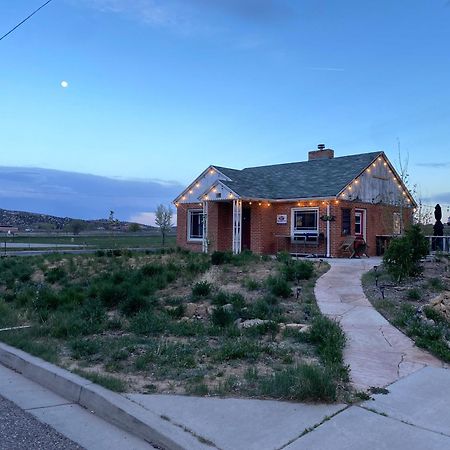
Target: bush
149 323
201 289
402 258
222 317
279 286
330 340
56 274
81 348
414 294
304 382
221 298
219 258
133 303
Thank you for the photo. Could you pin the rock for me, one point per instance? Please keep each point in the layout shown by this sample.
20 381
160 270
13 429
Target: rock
441 303
228 307
301 327
251 323
197 310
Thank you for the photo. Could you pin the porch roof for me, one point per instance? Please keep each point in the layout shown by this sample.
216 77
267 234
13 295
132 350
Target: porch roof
308 179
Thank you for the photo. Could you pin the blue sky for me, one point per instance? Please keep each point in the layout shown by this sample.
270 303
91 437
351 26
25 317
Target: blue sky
160 89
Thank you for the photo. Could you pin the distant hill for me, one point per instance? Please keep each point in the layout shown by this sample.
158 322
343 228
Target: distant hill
69 194
26 221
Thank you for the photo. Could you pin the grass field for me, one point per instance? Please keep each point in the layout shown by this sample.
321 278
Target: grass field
104 241
178 322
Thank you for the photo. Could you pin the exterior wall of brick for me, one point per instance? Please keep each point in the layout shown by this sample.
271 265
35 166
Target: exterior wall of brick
182 214
268 237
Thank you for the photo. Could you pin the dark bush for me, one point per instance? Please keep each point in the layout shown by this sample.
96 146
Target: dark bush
219 258
221 298
133 303
221 317
56 274
201 289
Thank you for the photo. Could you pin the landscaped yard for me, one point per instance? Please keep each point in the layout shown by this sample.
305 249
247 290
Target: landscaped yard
418 305
178 322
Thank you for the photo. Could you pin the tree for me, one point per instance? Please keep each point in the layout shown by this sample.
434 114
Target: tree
133 227
163 220
77 226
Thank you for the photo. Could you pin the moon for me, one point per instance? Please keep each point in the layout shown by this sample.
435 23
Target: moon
64 84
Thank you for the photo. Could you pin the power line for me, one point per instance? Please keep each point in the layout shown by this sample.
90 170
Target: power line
24 20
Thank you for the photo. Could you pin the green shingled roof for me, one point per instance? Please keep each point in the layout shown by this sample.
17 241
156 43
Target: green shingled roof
308 179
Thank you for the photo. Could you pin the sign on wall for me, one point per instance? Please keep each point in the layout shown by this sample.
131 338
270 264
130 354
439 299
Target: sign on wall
281 219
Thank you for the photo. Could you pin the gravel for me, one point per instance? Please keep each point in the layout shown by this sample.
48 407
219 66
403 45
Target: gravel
19 430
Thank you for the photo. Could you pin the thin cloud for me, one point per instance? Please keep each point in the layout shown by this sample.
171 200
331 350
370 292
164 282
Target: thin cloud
434 165
188 16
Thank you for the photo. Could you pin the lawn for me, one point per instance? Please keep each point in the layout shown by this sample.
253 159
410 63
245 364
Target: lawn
101 241
178 322
412 304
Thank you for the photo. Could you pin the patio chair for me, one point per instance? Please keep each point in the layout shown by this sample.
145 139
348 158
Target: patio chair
348 246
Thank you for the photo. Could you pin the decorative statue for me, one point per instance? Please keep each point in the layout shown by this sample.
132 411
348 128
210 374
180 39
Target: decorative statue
438 227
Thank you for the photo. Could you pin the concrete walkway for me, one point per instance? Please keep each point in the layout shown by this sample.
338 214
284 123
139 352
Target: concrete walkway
377 352
69 419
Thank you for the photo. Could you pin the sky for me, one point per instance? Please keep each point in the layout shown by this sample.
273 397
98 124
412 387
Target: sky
160 89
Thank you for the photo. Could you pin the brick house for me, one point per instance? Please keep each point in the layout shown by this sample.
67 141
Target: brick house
310 207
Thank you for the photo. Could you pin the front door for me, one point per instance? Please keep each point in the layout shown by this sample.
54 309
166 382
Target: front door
360 223
246 216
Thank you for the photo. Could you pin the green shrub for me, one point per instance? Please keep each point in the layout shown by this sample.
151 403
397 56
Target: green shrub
177 312
219 258
240 348
402 257
330 341
82 348
279 287
201 289
436 284
414 294
149 323
302 383
251 284
8 317
221 317
221 298
297 270
133 303
56 274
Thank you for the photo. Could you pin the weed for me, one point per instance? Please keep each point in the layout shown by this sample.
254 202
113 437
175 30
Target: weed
107 381
303 382
222 317
414 294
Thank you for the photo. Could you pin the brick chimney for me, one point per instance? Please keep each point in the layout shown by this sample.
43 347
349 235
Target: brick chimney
321 153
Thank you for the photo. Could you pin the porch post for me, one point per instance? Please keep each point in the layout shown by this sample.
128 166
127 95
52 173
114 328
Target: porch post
328 232
237 226
205 227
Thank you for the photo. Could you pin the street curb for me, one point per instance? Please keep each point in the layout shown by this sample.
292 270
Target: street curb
112 407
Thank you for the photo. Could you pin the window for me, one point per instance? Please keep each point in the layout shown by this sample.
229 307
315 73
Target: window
305 221
346 221
195 224
396 223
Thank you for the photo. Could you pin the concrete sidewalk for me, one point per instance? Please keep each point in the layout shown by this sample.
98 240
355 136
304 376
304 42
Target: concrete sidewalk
377 352
69 419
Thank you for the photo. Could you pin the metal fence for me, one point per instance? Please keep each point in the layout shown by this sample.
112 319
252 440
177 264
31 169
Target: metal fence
439 243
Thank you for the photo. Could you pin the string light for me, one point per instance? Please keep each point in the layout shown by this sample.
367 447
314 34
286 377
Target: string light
183 198
336 202
197 185
190 191
259 204
176 204
212 172
368 170
249 203
356 181
268 204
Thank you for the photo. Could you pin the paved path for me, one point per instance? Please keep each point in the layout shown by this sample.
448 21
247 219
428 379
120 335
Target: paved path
20 430
377 352
68 419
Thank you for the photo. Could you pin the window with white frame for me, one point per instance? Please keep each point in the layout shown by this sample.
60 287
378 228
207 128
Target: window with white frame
195 225
305 221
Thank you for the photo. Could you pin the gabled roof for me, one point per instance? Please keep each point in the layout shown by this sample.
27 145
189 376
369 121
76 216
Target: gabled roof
319 178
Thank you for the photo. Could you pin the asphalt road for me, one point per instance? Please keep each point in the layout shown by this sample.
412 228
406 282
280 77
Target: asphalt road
19 430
